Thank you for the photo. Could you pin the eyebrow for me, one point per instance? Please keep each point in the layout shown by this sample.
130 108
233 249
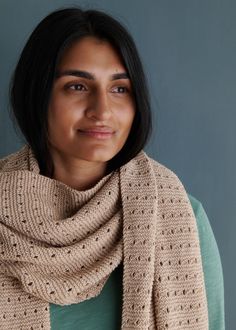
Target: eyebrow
88 75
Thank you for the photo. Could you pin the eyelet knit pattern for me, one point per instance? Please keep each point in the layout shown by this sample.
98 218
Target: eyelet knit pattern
59 245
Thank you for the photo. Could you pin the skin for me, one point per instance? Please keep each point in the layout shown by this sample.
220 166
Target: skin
80 102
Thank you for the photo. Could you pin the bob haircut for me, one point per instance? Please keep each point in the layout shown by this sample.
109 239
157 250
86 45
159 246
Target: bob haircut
33 78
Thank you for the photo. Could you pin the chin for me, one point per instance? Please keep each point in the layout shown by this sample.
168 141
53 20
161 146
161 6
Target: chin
101 158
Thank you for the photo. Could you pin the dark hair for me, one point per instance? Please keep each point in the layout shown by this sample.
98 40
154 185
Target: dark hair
33 77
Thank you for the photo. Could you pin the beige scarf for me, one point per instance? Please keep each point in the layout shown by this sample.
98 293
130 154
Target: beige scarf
59 245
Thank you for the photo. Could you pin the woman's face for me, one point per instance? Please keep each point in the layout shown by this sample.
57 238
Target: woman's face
91 94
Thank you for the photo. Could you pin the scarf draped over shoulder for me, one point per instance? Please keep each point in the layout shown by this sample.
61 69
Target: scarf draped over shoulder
59 245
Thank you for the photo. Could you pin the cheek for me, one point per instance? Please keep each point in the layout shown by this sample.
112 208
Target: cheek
61 112
127 118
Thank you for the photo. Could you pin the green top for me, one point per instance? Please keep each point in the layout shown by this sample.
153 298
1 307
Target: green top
104 311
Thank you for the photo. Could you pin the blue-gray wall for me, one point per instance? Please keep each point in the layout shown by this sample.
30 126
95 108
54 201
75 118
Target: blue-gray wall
188 48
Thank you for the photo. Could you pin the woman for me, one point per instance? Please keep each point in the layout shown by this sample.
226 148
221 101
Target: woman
81 203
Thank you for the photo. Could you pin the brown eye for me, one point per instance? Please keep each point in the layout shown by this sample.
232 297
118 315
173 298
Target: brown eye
121 89
77 87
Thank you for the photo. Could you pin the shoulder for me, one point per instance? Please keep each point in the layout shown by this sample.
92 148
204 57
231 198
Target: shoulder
171 185
163 173
10 161
4 161
166 178
160 169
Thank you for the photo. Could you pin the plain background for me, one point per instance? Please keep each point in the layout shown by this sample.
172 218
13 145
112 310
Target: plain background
188 48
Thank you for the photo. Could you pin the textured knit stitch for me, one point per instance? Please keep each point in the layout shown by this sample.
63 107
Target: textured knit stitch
59 245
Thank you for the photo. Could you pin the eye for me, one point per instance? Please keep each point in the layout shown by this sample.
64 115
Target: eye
76 87
120 89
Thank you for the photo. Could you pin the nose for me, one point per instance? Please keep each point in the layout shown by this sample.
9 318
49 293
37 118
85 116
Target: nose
99 107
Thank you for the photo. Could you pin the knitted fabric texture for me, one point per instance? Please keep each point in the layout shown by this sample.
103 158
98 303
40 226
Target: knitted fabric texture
59 245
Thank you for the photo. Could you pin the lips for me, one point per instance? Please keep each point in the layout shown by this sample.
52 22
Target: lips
101 129
97 132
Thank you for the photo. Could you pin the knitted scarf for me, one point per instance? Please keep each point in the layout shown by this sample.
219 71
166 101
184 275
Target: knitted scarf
59 245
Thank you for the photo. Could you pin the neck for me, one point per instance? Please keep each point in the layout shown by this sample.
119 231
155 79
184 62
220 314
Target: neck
76 173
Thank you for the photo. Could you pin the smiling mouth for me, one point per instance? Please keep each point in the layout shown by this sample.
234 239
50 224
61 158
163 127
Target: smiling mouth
97 135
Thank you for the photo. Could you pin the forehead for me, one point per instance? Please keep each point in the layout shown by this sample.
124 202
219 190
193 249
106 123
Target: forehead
92 53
